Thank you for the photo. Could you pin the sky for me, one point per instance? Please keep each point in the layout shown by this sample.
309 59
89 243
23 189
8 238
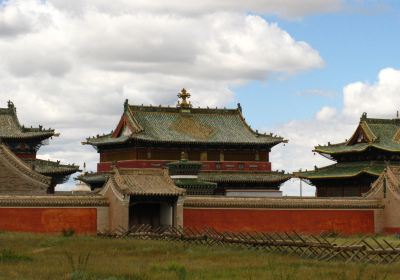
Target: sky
305 70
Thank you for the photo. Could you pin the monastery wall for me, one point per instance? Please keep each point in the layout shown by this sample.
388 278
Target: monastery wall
273 220
282 215
52 214
49 220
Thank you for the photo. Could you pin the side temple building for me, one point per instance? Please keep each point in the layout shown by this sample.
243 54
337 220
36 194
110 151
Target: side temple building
359 160
232 158
24 143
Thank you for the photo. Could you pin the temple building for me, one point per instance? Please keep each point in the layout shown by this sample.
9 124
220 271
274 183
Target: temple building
232 159
359 160
24 143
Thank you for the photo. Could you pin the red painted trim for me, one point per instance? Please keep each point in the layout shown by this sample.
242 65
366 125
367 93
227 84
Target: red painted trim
49 220
122 123
392 230
26 155
278 220
119 127
207 165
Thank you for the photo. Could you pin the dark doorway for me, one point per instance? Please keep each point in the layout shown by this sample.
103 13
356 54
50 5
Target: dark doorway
144 214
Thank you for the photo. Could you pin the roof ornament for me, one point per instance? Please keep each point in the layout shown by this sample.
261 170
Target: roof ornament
10 104
184 103
239 107
364 116
126 103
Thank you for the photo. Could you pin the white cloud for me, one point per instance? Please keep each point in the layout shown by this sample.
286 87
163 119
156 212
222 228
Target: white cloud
326 113
71 64
379 99
283 8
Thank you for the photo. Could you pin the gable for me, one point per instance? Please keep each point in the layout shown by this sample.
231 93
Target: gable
362 135
396 137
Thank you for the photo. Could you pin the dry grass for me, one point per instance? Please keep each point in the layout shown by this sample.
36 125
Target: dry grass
29 256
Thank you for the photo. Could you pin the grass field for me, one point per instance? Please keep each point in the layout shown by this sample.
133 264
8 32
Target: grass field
29 256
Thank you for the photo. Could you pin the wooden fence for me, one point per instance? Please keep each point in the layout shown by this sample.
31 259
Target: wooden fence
320 247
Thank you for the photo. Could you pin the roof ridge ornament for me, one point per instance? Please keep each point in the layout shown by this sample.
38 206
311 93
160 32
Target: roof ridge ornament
184 103
364 116
239 107
10 104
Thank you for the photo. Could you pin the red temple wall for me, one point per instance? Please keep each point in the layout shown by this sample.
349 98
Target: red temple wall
207 165
280 220
49 220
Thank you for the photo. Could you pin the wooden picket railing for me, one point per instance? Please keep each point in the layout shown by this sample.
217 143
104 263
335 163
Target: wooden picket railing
320 247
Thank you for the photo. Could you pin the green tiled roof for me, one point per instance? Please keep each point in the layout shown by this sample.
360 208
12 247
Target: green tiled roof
383 134
243 176
344 170
48 167
10 127
165 124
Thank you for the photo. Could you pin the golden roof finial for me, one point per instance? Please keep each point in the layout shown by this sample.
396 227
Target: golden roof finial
184 103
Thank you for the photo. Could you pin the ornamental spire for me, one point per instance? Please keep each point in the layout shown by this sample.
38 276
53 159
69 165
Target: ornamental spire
10 104
184 103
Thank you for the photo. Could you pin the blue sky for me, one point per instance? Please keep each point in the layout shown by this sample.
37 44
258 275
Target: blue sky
354 44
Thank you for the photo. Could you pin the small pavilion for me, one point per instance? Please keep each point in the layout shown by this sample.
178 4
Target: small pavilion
143 196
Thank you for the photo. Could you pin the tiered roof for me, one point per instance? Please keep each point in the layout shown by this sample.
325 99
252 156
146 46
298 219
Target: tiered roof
371 133
381 134
184 125
11 129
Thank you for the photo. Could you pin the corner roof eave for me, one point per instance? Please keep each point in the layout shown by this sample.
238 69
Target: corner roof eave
320 150
31 135
310 177
360 169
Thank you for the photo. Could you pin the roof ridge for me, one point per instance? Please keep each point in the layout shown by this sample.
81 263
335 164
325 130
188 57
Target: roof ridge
382 120
160 108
